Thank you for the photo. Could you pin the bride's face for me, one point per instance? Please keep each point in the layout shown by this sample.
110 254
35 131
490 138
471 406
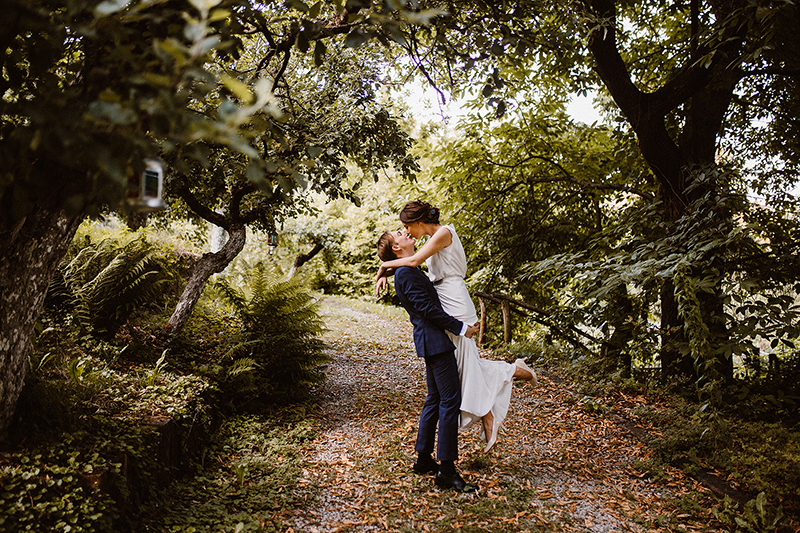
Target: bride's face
415 229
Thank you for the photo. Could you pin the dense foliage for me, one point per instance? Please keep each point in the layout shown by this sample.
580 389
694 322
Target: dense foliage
102 283
91 89
250 479
569 233
111 412
684 88
276 354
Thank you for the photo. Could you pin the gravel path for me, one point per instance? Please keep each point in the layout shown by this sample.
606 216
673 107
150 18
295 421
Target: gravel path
557 467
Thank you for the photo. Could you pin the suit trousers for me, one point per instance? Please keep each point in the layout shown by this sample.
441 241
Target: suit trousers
442 406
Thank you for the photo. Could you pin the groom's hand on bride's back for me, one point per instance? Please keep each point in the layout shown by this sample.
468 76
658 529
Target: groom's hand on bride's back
472 330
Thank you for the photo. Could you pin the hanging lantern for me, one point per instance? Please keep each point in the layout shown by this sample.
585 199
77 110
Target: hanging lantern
151 188
272 239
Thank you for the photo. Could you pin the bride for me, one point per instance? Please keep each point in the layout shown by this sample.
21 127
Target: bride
485 384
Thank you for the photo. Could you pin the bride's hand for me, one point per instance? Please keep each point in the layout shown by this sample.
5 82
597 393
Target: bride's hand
380 285
381 274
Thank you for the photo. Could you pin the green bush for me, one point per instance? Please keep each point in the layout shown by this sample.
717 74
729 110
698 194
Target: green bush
50 494
249 478
101 284
277 354
83 451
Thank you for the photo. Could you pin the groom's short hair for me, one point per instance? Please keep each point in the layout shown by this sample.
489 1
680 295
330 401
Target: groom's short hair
385 243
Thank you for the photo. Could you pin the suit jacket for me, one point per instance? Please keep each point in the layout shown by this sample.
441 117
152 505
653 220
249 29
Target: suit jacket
418 296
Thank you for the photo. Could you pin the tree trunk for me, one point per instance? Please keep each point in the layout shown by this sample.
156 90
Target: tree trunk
209 264
705 92
673 363
615 350
30 252
505 307
482 331
302 259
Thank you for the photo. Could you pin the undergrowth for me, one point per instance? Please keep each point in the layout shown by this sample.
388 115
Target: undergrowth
248 480
113 411
756 457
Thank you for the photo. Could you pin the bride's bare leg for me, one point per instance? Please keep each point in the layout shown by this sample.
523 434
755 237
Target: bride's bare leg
488 422
490 429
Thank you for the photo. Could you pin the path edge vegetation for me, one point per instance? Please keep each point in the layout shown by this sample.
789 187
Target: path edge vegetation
114 413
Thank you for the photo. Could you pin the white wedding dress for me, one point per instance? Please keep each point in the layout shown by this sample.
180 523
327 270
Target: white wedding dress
485 384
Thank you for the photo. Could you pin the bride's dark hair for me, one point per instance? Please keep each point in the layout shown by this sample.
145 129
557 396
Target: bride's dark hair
419 211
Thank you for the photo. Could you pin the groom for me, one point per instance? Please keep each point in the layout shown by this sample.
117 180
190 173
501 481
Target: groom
443 402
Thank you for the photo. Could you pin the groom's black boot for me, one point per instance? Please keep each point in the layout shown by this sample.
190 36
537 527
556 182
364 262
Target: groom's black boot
425 464
449 478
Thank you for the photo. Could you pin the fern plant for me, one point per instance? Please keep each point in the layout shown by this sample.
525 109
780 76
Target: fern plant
277 355
104 282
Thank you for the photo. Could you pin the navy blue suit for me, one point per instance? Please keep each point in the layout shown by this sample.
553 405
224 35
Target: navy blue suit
443 402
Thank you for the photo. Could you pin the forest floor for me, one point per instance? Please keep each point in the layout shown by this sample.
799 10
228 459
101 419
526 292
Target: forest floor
558 466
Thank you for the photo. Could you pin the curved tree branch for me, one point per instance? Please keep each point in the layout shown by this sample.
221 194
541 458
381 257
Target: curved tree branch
201 210
568 177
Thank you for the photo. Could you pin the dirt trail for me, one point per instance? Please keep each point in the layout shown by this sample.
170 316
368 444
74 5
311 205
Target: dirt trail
557 466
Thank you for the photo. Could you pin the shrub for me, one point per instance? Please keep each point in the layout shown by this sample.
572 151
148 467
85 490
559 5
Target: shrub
102 283
48 494
277 353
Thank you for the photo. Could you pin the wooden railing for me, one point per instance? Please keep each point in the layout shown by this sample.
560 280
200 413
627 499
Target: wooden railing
539 315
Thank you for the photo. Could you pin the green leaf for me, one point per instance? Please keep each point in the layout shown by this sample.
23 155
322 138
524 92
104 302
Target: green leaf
357 37
219 14
238 88
298 5
285 184
300 179
396 34
302 41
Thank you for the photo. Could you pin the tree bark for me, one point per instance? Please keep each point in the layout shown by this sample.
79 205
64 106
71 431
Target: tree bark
505 307
482 331
302 259
209 264
30 252
673 364
615 350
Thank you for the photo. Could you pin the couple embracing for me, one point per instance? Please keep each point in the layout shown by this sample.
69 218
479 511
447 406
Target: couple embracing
462 387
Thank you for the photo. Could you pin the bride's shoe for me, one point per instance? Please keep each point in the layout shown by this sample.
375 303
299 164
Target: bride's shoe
533 380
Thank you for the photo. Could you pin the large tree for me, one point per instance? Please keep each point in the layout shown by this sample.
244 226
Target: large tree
686 78
91 88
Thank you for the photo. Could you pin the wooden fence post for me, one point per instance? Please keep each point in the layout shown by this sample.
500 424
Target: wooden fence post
505 306
482 330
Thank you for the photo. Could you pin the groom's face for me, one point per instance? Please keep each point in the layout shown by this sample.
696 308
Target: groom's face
402 241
